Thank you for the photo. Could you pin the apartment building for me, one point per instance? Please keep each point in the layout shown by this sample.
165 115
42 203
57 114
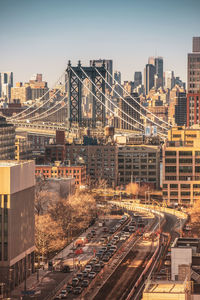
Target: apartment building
139 163
181 166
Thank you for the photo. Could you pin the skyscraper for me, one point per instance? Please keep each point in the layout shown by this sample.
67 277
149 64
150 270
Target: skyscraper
193 84
169 79
159 70
6 82
117 76
137 78
158 63
149 73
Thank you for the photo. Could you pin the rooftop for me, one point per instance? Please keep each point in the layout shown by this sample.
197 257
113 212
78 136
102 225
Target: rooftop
165 287
12 163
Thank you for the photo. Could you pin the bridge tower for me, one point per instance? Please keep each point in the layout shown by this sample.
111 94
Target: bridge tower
74 90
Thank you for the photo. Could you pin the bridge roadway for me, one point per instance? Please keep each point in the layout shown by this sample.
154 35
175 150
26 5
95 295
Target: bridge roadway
50 129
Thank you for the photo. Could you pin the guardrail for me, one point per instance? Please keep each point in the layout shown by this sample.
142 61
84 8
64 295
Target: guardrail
157 208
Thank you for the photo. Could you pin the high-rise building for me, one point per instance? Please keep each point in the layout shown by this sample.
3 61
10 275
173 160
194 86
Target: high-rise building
159 71
169 79
137 79
6 83
108 66
196 44
7 140
193 84
181 110
17 182
149 73
158 63
117 76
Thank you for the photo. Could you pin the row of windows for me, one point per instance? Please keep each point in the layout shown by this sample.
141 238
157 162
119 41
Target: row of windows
183 186
181 153
59 171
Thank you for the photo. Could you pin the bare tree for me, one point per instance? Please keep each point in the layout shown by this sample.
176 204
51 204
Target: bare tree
41 197
132 188
49 236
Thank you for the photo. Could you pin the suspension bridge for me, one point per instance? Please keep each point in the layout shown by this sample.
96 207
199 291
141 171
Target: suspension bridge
69 102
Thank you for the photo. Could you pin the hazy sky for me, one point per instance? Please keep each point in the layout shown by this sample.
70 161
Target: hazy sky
41 36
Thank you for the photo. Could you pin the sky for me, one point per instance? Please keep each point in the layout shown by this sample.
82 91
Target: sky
41 36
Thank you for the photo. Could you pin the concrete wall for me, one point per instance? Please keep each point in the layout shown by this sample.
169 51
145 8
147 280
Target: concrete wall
16 176
164 296
179 256
21 225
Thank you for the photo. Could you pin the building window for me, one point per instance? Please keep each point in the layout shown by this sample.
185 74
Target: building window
185 153
173 186
170 160
185 186
170 169
170 153
185 160
185 169
196 186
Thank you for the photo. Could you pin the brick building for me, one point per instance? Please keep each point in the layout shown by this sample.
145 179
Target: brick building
100 160
59 170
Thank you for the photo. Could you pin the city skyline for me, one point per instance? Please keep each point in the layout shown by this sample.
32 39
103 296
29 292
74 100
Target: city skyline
41 37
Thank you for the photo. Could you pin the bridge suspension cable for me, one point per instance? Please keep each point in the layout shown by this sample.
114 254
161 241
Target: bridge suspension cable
104 103
132 105
130 117
144 108
50 108
44 103
119 109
